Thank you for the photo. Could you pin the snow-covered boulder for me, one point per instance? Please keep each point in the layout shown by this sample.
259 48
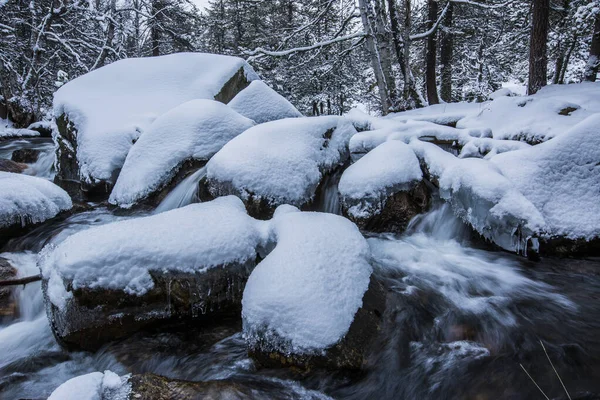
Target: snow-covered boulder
279 162
195 130
94 386
312 301
384 190
102 113
26 201
482 197
562 179
262 104
109 281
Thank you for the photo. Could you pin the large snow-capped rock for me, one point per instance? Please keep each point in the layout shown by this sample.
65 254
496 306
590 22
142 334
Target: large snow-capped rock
384 190
262 104
26 201
279 162
311 301
102 113
109 281
194 130
482 197
562 179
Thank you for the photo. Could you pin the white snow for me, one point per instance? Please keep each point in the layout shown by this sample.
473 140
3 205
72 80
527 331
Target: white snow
6 133
120 255
483 197
196 130
562 179
84 387
27 199
282 160
113 105
303 296
488 147
536 118
262 104
389 168
94 386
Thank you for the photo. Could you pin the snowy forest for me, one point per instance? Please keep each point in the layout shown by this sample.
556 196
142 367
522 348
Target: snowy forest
325 56
299 199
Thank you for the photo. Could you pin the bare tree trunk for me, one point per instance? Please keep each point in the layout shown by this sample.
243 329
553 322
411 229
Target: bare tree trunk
446 54
538 53
591 70
373 54
431 55
110 35
565 65
384 44
410 87
154 28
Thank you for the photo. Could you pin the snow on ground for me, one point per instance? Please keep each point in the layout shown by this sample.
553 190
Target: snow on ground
121 254
389 168
405 128
282 160
536 118
481 196
113 105
562 179
488 147
196 130
7 130
94 386
262 104
27 199
303 296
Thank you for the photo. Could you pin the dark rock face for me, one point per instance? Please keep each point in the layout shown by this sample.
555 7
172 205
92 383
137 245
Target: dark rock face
8 306
93 317
27 156
67 174
393 213
349 353
11 166
156 387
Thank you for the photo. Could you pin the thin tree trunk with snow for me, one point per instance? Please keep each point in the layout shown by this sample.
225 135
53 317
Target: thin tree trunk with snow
431 55
591 70
538 53
446 54
374 56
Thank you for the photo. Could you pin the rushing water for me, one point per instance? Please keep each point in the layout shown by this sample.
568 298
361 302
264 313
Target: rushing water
44 166
459 323
183 194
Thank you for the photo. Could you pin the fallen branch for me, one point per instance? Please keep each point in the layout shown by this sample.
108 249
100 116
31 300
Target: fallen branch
21 281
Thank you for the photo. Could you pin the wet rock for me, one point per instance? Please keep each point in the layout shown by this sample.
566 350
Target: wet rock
26 156
349 353
11 166
156 387
393 213
93 317
8 305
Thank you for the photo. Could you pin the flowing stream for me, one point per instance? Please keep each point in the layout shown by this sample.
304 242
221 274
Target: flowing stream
460 323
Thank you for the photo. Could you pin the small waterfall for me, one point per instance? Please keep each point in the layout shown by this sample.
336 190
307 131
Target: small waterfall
44 166
183 194
327 198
